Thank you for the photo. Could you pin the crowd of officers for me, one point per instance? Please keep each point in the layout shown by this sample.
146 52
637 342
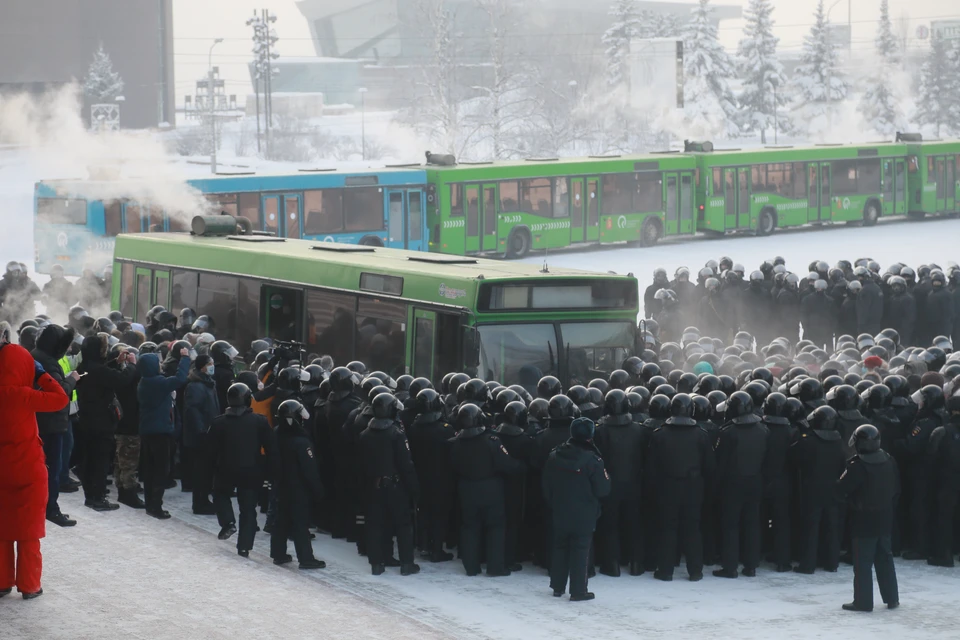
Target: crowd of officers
724 451
849 298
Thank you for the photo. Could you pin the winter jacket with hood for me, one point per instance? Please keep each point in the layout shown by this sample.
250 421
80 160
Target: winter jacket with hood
200 407
574 481
97 387
156 394
52 344
23 475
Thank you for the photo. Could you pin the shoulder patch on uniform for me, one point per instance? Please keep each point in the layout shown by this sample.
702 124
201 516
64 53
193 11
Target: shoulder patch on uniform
310 452
916 431
606 475
406 443
504 449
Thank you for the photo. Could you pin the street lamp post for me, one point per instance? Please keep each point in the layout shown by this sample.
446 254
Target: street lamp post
829 78
213 121
363 122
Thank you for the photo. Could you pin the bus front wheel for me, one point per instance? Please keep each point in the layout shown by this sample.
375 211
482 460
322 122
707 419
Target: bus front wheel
371 241
650 232
871 213
518 243
766 223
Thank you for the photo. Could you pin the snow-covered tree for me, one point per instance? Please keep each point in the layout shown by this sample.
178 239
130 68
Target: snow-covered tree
879 104
666 25
102 83
818 82
937 86
763 97
709 104
625 29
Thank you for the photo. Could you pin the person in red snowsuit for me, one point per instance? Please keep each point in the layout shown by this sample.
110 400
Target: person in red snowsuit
24 390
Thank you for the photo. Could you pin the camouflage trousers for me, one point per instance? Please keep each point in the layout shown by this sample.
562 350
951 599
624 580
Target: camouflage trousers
128 459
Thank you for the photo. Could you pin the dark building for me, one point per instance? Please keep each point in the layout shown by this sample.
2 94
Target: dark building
48 43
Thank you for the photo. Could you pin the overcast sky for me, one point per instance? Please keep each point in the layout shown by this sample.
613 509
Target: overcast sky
198 22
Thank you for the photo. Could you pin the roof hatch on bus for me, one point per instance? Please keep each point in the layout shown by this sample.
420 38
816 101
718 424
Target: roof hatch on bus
704 146
343 248
903 136
442 259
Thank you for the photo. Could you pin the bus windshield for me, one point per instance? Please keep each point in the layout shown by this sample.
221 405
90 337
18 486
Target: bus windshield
523 353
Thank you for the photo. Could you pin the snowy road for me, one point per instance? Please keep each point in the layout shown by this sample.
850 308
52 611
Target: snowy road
125 575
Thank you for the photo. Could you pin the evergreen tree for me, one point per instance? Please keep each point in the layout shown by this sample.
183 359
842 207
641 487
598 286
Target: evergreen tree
625 29
953 67
666 25
937 85
878 104
102 83
709 104
818 82
763 96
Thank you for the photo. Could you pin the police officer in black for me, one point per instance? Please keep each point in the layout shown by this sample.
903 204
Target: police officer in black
299 487
429 438
871 485
680 459
389 485
236 440
561 413
741 452
917 469
574 482
480 463
777 477
818 456
619 441
945 458
341 401
512 431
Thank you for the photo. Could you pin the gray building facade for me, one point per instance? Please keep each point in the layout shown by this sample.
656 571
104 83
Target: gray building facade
49 43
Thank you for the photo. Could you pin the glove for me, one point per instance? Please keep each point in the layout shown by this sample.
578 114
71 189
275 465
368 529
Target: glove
38 371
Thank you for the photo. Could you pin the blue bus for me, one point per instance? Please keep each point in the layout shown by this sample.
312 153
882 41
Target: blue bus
383 208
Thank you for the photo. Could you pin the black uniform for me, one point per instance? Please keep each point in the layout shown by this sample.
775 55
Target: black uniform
298 488
939 312
236 440
870 309
918 476
391 487
430 448
520 446
777 490
353 479
741 452
619 531
901 313
556 433
480 461
332 422
870 485
788 314
680 459
818 455
756 308
818 316
574 482
847 322
945 458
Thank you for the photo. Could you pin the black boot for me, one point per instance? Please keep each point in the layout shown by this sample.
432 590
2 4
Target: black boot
130 498
31 596
440 556
409 569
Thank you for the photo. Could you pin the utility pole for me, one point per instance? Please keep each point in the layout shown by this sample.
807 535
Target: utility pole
829 78
264 38
363 122
210 106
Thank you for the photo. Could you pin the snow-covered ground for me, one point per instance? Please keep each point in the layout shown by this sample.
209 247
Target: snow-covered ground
125 575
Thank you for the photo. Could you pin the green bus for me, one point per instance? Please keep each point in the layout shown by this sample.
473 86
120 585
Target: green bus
509 208
759 190
934 176
397 311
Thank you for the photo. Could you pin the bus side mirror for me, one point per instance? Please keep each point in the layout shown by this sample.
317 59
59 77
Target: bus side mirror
471 347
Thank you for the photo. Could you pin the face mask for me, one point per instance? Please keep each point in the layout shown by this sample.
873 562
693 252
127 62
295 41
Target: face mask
209 370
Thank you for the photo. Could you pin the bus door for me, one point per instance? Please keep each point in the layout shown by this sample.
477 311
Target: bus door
281 214
592 198
471 195
889 183
686 203
142 295
578 218
743 198
132 219
489 213
416 221
397 211
826 208
730 198
281 313
950 184
900 187
423 345
672 200
161 288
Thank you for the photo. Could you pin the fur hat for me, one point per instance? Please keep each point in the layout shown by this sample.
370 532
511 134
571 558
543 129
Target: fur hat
582 430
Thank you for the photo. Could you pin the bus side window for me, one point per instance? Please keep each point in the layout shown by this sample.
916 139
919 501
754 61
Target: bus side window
111 218
456 201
